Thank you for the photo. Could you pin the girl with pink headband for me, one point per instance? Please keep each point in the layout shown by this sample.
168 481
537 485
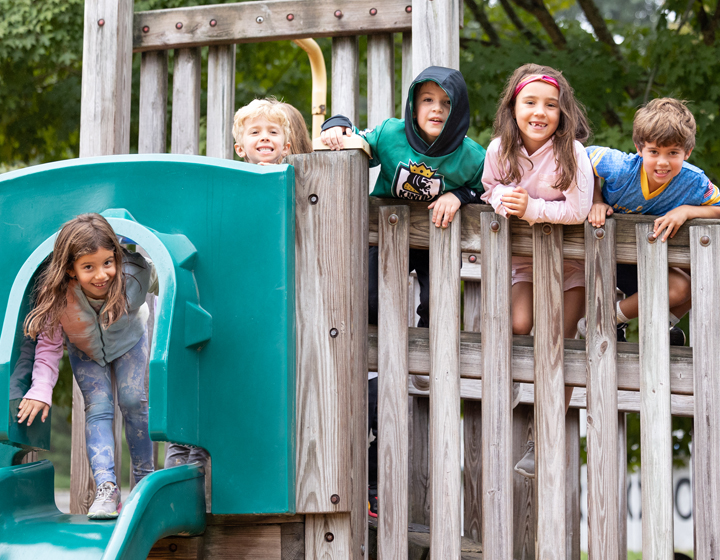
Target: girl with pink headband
536 169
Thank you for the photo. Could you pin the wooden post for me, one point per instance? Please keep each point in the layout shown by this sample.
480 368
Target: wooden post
524 511
381 84
572 484
655 419
407 69
345 76
331 294
220 101
602 428
445 261
705 258
152 136
393 225
185 134
497 472
419 492
549 390
438 26
622 485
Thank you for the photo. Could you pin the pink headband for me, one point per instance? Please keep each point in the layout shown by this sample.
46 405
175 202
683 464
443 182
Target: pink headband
547 79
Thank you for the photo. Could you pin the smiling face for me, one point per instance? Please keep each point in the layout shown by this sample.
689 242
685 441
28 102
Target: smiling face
431 109
662 163
263 141
537 114
95 272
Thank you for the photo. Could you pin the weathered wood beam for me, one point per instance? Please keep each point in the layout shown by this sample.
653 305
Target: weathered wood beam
252 22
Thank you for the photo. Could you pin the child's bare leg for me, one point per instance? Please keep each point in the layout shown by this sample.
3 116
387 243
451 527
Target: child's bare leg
678 291
522 308
574 303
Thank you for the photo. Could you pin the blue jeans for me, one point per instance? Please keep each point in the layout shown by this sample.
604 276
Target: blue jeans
95 384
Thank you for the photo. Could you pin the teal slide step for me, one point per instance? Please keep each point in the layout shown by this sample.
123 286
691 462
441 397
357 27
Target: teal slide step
167 502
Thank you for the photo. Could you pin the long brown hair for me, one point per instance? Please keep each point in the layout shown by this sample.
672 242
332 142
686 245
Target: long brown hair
573 126
300 142
84 235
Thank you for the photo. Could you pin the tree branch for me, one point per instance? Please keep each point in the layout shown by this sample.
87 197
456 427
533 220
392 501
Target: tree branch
520 26
478 12
538 9
602 32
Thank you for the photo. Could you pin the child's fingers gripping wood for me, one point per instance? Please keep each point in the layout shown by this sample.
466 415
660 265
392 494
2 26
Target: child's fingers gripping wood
670 223
30 408
334 137
598 212
444 209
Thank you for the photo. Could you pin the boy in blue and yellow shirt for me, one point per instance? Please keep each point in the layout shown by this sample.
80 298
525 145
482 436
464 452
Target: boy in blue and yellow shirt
659 181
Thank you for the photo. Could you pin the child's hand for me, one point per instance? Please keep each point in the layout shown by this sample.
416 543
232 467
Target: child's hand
444 209
29 408
670 222
333 137
598 212
516 202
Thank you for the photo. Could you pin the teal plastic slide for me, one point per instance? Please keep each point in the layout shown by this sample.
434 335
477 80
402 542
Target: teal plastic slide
222 363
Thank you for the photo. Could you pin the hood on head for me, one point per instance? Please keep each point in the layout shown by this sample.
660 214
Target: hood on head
457 123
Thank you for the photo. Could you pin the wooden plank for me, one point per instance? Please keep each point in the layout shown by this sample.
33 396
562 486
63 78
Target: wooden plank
392 383
438 24
106 78
622 485
380 85
705 254
472 305
252 22
292 541
445 390
185 134
655 420
82 485
407 70
524 514
472 473
419 491
345 98
549 391
220 101
572 484
602 426
331 317
327 537
471 356
177 548
152 136
249 542
497 484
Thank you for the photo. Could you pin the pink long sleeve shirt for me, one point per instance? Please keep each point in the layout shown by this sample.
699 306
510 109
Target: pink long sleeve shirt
545 203
48 353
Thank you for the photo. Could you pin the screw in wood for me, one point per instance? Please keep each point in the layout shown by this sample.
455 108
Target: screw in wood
313 198
495 226
651 237
393 219
704 241
213 22
338 14
599 233
472 259
178 25
547 229
362 550
329 537
290 17
408 9
373 11
173 547
146 29
101 22
259 19
335 499
333 332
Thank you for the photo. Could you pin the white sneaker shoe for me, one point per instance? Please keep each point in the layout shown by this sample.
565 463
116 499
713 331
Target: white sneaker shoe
107 502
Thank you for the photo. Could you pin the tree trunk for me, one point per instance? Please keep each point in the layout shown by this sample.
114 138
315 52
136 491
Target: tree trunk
517 22
538 9
478 11
602 32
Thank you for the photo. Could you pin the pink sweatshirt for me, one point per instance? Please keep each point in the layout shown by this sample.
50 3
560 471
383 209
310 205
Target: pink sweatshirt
545 204
48 353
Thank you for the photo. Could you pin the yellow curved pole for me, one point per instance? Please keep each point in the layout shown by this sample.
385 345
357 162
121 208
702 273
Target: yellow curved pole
319 81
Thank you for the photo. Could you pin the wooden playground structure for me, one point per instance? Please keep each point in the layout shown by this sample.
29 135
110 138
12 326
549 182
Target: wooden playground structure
419 454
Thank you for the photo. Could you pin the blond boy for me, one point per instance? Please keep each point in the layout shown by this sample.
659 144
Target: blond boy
262 132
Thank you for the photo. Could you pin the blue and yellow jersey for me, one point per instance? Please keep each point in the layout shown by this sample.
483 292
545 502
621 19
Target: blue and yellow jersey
626 184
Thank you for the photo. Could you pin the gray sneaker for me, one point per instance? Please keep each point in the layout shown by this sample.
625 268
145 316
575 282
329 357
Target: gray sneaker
526 465
107 502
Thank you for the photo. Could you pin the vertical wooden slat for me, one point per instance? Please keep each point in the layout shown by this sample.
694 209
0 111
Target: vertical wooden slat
106 78
438 26
524 513
345 78
655 419
602 428
185 134
220 101
497 488
393 226
445 525
705 258
152 136
549 390
407 69
622 485
82 485
331 295
472 306
381 84
572 484
419 493
327 537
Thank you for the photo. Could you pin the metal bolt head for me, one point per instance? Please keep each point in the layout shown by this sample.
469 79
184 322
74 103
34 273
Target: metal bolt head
313 198
393 219
495 226
173 547
472 259
547 229
599 233
101 22
213 22
335 499
408 9
259 19
178 25
362 550
146 29
373 11
704 241
290 17
651 238
338 14
329 537
333 332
